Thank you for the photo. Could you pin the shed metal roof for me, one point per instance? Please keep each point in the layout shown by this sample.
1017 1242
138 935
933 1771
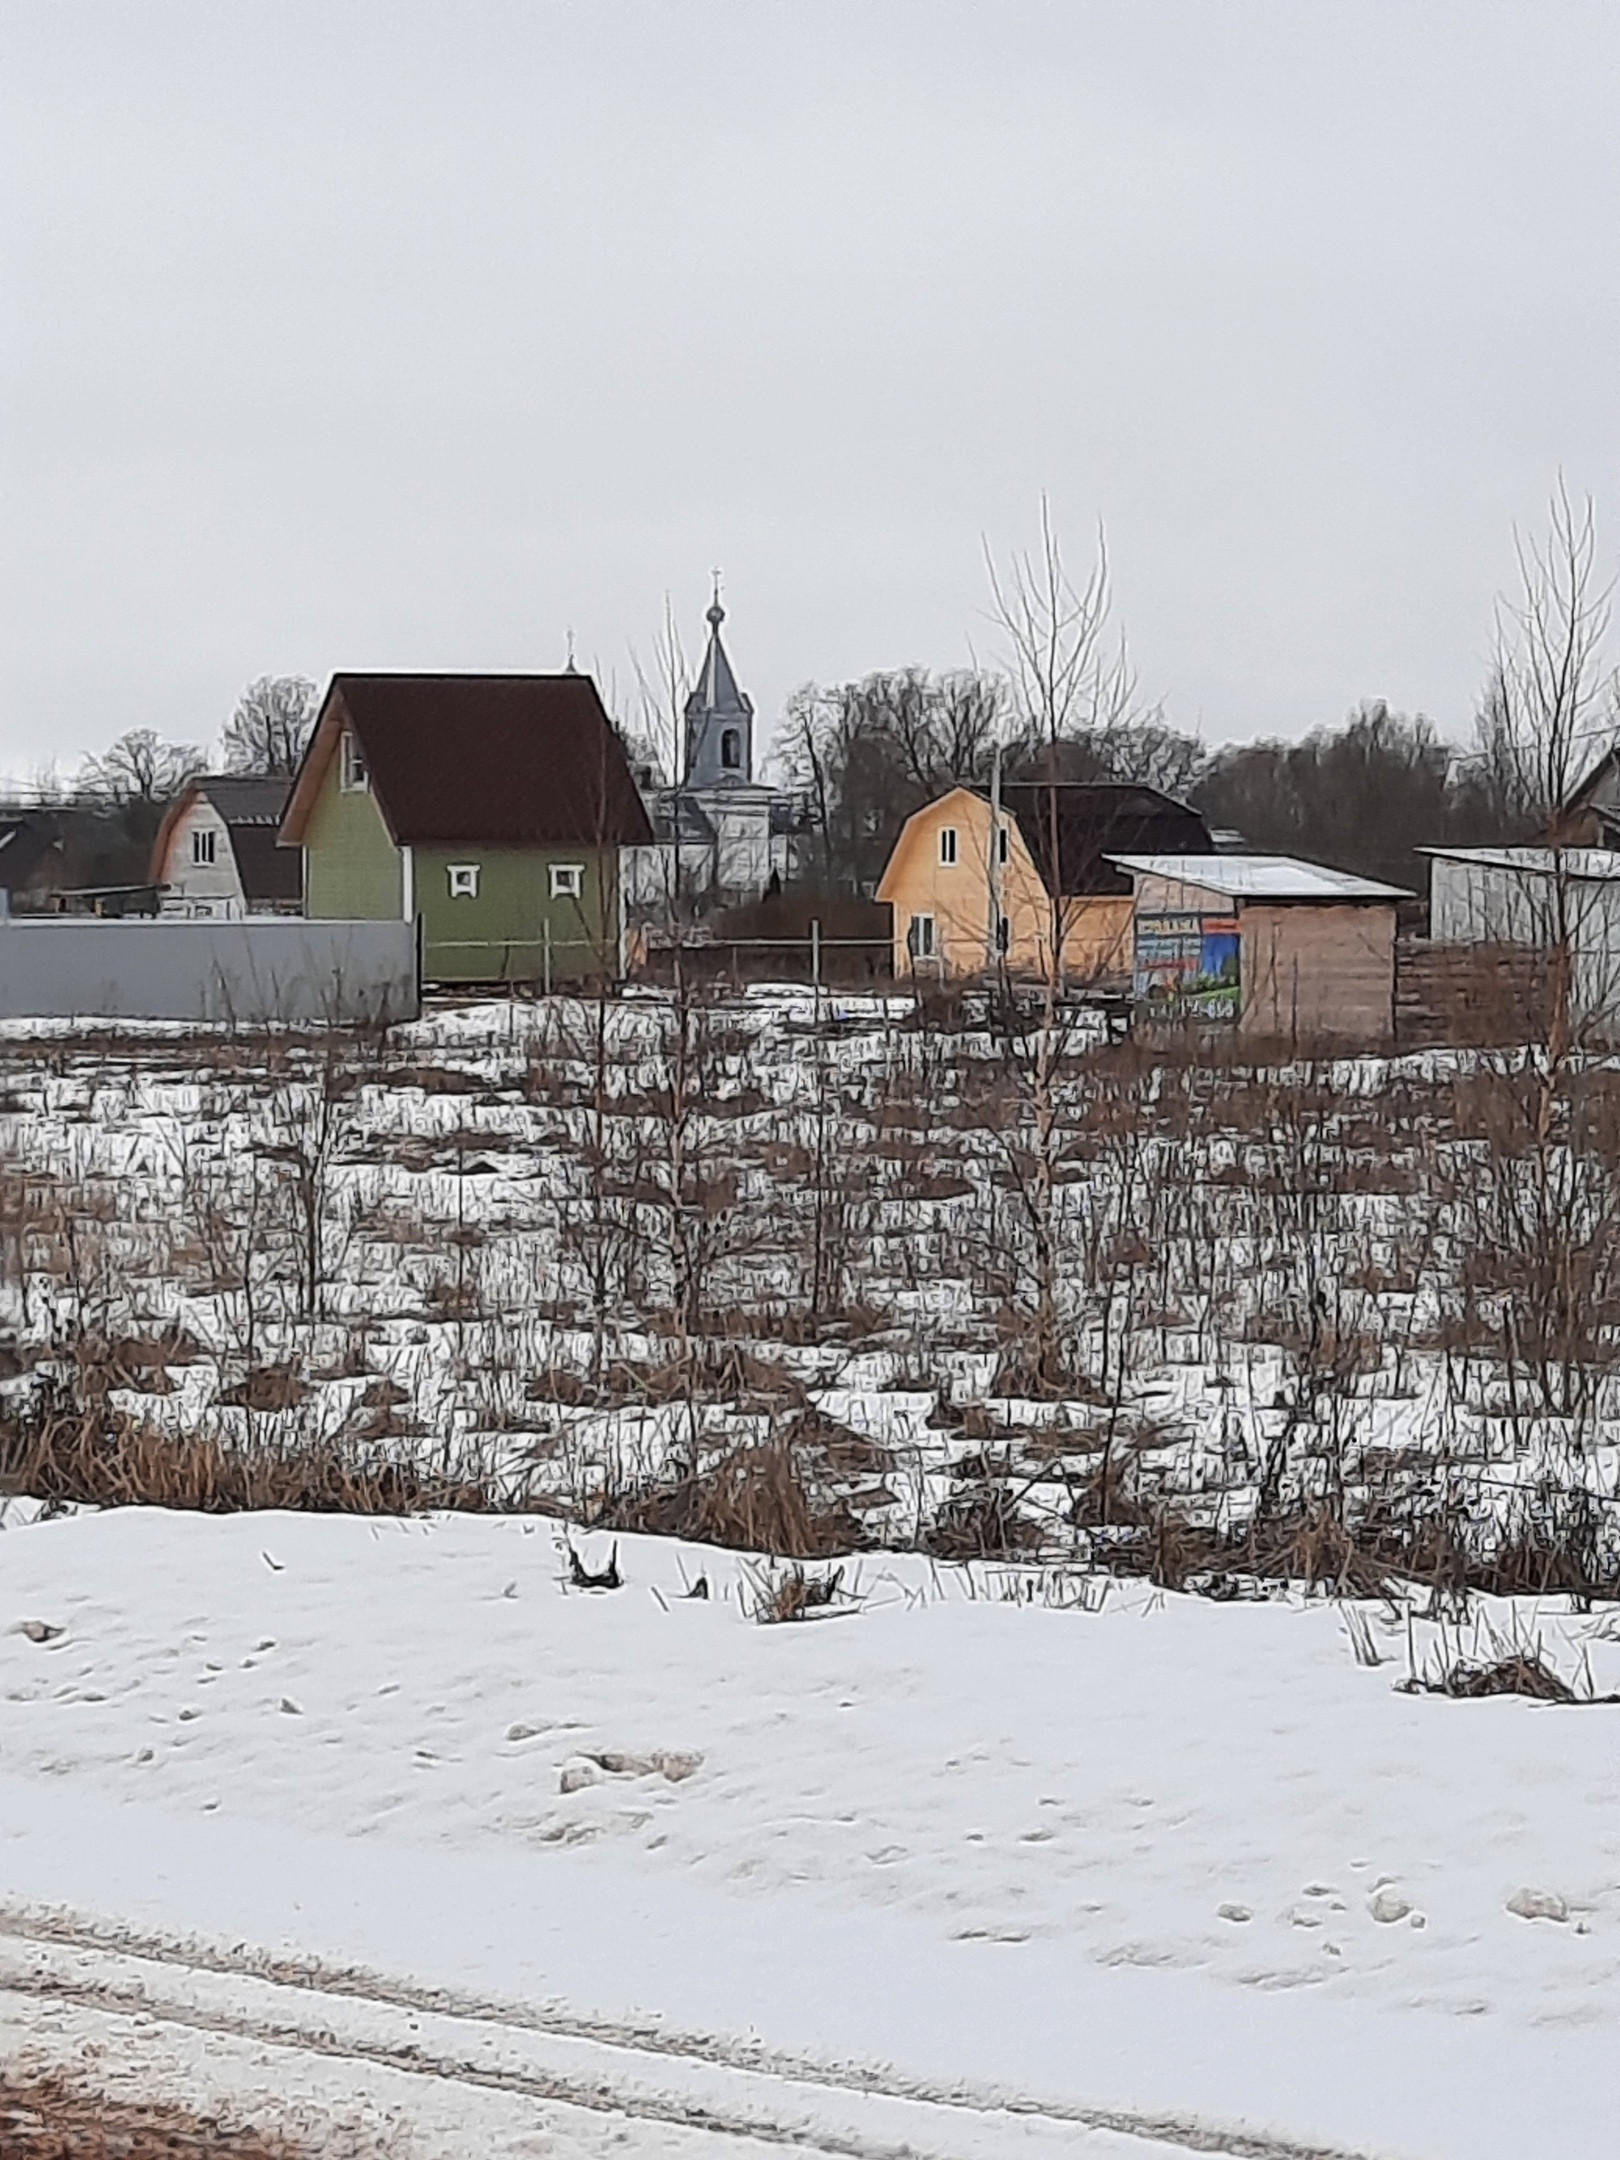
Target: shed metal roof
1597 865
1261 877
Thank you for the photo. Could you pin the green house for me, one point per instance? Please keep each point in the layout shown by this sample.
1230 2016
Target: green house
490 809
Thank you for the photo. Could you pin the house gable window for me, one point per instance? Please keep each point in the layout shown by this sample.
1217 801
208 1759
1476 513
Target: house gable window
1003 935
947 845
920 937
731 749
1001 844
202 847
567 880
353 759
463 880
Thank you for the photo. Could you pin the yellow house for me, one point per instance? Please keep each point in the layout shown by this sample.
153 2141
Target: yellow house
972 887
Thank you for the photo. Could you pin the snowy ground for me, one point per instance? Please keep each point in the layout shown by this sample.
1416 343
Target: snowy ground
317 1808
492 1244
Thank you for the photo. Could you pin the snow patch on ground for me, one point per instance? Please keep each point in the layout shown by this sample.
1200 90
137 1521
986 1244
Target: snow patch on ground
1156 1856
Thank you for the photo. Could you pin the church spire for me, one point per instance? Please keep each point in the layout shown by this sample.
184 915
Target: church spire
719 716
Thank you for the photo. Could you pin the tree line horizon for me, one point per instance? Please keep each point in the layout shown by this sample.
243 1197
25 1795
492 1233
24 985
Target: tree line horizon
860 757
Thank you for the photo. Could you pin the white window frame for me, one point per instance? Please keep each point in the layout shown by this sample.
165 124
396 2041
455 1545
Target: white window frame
352 774
947 847
568 881
923 945
463 877
204 849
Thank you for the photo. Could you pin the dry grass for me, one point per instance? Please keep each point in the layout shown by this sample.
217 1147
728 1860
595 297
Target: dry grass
88 1456
46 2118
795 1594
1520 1674
984 1522
1208 1205
768 1498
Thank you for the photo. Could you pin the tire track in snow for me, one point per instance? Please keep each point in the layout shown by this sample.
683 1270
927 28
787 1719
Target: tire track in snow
691 2081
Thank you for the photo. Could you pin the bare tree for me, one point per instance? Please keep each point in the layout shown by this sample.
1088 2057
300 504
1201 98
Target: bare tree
664 682
1541 1217
273 720
862 756
1550 702
1550 697
140 767
1071 683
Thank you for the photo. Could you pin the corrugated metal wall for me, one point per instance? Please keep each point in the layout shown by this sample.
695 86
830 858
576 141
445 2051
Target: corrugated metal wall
1485 903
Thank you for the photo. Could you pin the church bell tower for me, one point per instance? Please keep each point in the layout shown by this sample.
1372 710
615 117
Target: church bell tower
719 719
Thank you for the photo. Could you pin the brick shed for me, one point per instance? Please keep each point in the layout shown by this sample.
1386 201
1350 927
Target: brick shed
1278 947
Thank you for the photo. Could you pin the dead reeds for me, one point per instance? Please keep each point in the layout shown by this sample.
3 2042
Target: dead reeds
71 1454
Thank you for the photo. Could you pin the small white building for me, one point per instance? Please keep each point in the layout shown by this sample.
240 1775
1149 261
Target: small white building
215 857
1544 898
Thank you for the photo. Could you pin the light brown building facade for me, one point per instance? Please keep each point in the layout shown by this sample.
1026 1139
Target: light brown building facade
967 897
1285 949
977 885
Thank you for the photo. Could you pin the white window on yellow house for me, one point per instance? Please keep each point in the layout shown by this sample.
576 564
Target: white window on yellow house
202 849
463 880
920 937
355 779
947 845
567 880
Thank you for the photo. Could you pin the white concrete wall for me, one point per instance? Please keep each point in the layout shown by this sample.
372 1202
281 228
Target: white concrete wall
69 967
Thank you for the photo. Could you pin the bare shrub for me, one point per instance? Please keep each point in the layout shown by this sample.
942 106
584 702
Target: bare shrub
794 1593
67 1454
772 1497
982 1522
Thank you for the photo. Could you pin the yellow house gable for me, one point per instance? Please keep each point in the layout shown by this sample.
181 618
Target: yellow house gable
938 883
946 895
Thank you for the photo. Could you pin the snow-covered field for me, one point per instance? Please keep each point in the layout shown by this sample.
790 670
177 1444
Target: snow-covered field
289 1797
383 1825
563 1255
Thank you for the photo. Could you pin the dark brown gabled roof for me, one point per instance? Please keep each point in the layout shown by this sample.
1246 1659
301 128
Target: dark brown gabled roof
268 872
480 761
247 798
1096 819
30 844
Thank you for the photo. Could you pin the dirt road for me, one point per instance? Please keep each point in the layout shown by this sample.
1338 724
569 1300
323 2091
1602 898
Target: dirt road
345 2064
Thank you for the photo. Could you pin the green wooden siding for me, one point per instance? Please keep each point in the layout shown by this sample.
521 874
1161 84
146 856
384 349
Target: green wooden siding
500 934
351 866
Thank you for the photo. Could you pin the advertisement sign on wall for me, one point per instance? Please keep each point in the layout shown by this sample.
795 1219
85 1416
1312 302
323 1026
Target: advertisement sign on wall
1188 966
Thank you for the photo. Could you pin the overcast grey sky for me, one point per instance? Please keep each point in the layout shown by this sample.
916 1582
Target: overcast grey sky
356 335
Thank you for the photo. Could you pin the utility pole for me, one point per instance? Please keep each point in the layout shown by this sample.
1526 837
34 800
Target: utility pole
992 946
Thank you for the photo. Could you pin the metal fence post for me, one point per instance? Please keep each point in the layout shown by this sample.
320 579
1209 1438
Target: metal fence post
546 947
815 963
